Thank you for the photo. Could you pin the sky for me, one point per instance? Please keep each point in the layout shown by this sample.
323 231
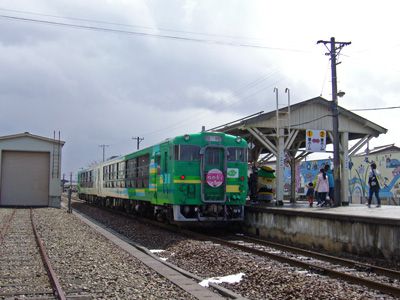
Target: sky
104 72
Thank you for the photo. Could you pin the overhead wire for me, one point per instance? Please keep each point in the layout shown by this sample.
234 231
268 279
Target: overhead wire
249 85
126 25
199 115
325 78
313 120
376 108
138 33
146 34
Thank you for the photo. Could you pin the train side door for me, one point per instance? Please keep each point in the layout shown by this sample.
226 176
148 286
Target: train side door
157 173
214 173
165 176
98 179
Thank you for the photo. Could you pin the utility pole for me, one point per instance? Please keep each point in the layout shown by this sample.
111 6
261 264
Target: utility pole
139 139
335 48
104 151
280 159
70 194
63 182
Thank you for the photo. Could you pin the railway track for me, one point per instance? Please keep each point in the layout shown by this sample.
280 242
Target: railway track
26 269
375 278
381 279
171 275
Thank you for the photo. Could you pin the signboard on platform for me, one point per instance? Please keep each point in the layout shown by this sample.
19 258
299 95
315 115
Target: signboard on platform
315 140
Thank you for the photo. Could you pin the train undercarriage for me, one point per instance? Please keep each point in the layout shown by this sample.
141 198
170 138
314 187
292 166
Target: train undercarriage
209 212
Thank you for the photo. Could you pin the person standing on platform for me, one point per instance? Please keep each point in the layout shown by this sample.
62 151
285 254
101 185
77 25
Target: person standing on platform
322 187
310 194
331 181
374 186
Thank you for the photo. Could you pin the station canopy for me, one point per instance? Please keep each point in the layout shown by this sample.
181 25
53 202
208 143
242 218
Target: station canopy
260 129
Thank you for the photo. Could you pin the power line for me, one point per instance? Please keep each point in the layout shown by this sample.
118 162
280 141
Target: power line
125 25
145 34
325 77
376 108
310 121
235 93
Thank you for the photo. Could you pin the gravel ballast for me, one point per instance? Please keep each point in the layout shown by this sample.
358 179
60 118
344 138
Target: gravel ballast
89 264
263 279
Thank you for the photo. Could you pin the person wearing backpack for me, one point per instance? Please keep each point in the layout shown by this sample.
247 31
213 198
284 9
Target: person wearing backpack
374 186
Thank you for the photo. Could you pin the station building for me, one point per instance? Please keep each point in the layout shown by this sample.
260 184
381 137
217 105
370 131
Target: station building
30 167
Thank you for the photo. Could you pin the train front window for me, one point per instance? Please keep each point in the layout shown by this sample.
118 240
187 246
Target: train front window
237 154
187 152
213 156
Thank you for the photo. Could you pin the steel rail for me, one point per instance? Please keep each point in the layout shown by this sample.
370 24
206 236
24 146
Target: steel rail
223 291
334 259
388 289
4 229
58 291
395 291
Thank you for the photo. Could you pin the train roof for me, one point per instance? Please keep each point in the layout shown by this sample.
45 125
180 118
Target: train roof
177 139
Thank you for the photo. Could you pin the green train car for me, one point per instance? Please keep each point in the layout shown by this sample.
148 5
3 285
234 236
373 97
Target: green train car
191 178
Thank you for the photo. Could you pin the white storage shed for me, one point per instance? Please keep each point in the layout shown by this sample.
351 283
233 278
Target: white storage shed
30 167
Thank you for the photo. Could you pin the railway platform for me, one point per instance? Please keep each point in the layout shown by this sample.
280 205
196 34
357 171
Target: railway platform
354 229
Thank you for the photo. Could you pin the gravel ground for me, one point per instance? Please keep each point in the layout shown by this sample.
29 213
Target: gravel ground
22 271
264 278
88 264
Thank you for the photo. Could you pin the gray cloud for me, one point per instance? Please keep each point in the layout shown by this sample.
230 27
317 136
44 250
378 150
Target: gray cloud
100 87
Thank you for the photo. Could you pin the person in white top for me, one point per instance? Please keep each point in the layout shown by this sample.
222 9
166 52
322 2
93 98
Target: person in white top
322 187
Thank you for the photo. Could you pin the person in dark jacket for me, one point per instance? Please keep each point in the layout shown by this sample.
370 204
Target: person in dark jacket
310 194
374 185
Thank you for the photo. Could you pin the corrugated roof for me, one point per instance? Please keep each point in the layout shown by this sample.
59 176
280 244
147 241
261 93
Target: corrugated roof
27 134
233 126
266 123
380 149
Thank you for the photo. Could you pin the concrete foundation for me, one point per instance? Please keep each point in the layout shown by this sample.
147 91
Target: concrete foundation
55 201
335 233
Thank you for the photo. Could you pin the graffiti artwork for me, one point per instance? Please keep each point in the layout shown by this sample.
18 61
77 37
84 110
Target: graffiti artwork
389 178
359 167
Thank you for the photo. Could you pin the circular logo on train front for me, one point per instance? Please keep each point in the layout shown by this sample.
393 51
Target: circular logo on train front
215 178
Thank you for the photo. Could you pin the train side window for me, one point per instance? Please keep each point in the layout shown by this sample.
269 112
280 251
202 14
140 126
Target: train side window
187 152
237 154
177 152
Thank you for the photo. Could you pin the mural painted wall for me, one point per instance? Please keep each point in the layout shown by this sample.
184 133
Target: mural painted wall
359 167
307 171
389 167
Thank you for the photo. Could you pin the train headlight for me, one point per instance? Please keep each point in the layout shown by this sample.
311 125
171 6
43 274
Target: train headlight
238 139
186 137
